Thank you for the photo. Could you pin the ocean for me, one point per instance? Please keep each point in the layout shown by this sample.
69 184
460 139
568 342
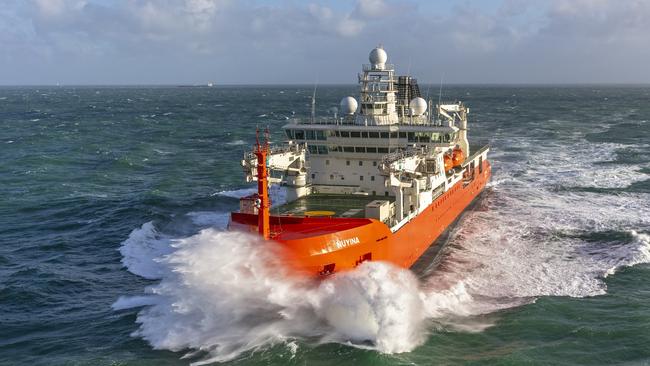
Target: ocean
113 202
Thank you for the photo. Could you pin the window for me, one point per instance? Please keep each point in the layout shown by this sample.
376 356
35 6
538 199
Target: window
382 150
372 178
322 149
327 162
342 178
348 149
373 135
345 134
300 134
355 134
371 150
364 134
311 135
393 135
361 177
374 193
313 149
384 135
320 135
411 137
337 134
289 134
331 176
374 163
423 137
347 162
313 176
360 149
402 135
360 163
386 193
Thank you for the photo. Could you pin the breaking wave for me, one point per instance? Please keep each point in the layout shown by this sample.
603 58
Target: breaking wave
536 232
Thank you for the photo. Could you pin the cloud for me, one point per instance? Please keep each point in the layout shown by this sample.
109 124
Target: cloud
143 41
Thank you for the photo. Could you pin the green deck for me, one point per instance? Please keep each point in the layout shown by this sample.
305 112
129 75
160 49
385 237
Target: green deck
348 205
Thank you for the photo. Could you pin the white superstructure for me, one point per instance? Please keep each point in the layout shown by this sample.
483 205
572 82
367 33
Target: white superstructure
389 143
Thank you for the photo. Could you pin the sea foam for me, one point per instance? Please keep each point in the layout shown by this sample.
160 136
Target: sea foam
224 293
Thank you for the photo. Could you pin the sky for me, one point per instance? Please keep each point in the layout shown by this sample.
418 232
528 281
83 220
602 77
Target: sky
123 42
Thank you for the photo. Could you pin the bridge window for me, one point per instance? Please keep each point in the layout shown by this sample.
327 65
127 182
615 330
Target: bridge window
300 134
289 134
411 137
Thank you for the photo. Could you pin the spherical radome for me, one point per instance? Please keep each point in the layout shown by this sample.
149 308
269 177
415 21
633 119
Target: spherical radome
378 56
348 105
418 106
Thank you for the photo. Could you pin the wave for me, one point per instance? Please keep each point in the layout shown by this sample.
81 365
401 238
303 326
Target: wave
224 293
236 143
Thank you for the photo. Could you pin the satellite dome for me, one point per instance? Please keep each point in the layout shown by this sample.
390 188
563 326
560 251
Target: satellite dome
418 106
378 57
348 105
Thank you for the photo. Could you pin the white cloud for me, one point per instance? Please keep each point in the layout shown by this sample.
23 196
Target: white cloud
561 39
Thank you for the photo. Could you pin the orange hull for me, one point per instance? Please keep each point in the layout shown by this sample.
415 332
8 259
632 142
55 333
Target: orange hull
320 245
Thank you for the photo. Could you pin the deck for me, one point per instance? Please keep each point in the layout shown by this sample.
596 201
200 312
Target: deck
348 205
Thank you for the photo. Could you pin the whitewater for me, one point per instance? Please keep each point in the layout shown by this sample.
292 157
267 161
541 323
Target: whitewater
219 294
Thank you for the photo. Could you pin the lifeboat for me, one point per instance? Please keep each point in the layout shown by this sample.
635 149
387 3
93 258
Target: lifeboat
448 160
457 157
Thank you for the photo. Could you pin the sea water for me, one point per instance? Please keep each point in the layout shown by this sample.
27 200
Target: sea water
113 204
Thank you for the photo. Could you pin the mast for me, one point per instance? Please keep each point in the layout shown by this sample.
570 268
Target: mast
261 152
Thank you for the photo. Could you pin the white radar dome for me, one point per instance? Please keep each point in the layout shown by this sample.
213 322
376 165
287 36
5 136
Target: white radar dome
418 106
348 105
378 57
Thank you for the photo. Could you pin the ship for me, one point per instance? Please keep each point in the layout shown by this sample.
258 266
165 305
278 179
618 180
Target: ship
381 180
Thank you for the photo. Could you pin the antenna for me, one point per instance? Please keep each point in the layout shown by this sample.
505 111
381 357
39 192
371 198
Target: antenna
313 103
408 71
440 92
440 95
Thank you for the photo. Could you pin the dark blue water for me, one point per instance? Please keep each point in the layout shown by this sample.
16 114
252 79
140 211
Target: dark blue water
97 185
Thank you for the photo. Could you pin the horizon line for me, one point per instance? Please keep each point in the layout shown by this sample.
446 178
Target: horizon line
193 85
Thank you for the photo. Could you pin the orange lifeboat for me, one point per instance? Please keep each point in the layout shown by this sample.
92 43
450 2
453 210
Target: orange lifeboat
448 162
457 157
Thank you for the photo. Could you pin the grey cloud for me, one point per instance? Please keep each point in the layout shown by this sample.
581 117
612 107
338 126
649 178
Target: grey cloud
186 41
